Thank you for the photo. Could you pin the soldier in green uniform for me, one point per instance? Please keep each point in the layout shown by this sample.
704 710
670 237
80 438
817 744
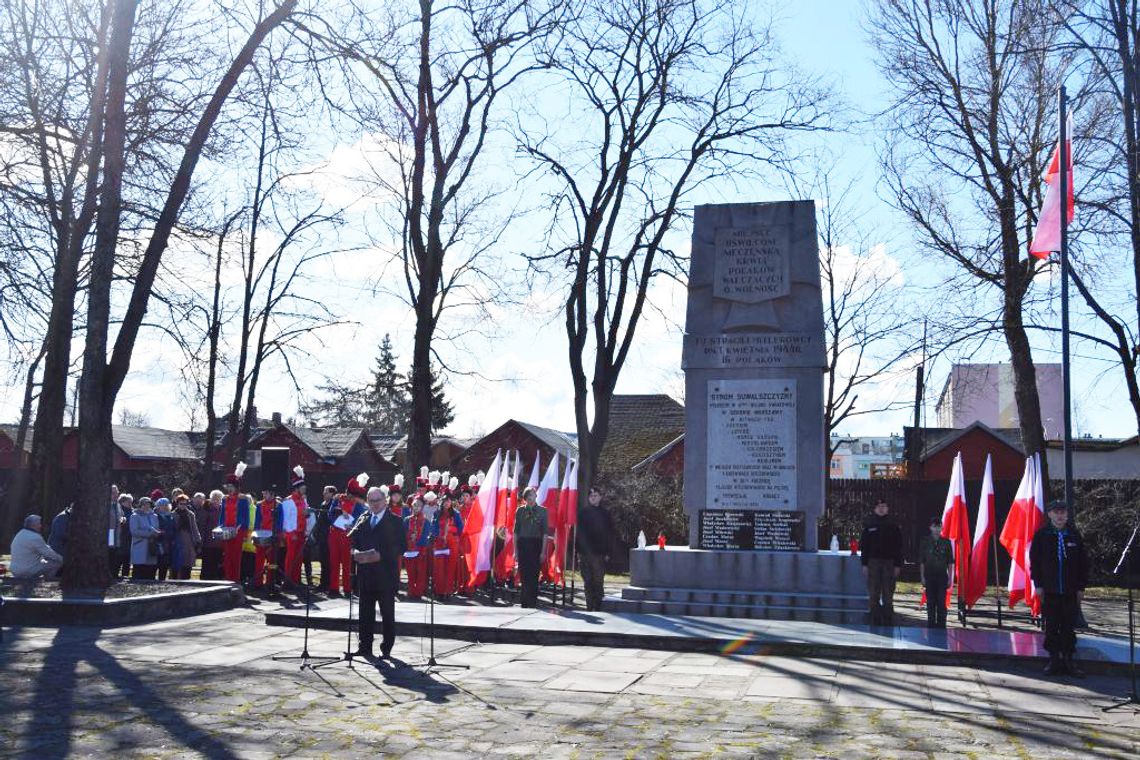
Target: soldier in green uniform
530 531
936 557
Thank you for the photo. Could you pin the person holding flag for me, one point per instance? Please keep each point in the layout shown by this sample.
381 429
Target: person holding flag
935 566
1060 568
531 526
956 527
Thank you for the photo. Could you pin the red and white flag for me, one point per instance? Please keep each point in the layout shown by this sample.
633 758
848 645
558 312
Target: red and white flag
956 525
1025 517
505 520
983 533
1047 236
480 527
572 502
560 523
533 482
548 495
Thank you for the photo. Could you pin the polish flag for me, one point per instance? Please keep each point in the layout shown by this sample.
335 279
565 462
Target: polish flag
983 533
560 527
1047 236
1024 518
956 525
533 482
548 494
572 514
480 527
504 522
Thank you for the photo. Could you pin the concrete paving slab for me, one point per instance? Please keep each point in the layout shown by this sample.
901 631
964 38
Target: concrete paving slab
605 682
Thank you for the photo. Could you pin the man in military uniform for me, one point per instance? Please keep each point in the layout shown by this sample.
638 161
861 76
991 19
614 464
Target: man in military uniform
531 525
1059 565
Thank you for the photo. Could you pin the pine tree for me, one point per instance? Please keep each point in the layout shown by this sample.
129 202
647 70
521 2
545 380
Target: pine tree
389 402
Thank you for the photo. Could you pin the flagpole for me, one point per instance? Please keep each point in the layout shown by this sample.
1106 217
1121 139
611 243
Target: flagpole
1066 370
997 572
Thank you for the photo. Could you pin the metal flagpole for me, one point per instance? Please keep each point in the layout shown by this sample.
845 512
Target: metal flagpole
1066 370
997 572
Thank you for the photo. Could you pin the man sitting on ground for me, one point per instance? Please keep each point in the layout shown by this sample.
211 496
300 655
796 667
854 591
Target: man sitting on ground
31 556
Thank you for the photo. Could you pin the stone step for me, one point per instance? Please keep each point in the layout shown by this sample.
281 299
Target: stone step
815 614
744 598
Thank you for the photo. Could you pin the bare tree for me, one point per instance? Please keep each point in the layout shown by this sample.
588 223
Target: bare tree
429 82
970 123
870 329
1105 38
663 97
102 378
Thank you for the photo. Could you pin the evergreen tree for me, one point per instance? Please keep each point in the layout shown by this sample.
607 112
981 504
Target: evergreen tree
389 402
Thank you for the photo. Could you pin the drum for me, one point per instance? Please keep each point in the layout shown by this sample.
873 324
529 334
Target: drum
262 538
224 533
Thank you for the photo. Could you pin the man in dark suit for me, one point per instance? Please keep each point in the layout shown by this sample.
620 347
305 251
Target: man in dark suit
378 542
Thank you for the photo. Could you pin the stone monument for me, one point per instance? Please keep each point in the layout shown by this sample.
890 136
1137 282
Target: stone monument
754 436
753 360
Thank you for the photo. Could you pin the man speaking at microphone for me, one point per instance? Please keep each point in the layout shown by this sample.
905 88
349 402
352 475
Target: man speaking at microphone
378 542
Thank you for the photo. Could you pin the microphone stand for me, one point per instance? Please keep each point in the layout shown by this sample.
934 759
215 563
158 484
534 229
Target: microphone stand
1129 556
305 658
348 654
432 664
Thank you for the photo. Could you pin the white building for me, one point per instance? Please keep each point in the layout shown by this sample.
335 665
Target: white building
863 458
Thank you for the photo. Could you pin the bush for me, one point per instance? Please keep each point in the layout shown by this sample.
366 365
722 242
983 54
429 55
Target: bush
642 501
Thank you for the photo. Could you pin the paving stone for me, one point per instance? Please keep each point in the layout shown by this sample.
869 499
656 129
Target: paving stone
606 682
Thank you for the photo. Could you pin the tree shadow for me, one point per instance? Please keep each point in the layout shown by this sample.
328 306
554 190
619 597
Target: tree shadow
49 732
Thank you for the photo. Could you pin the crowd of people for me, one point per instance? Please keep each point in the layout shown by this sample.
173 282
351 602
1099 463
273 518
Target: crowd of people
276 540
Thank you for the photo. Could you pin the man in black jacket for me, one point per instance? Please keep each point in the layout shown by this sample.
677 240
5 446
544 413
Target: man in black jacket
1059 566
881 549
594 536
378 542
320 538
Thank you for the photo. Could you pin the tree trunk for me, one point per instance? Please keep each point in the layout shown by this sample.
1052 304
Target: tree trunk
46 466
87 532
1025 380
207 476
419 432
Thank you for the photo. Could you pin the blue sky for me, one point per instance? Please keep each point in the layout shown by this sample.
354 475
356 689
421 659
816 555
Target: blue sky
523 362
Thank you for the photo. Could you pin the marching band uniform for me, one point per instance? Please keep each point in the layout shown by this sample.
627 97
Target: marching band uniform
265 556
464 540
343 513
396 496
291 525
447 526
234 514
415 526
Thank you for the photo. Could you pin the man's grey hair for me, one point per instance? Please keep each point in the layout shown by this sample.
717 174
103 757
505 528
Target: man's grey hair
216 494
199 495
31 520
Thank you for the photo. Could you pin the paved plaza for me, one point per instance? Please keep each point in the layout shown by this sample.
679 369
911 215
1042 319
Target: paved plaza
208 687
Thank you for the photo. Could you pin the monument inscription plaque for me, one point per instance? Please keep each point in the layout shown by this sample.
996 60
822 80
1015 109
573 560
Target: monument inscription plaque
751 264
752 444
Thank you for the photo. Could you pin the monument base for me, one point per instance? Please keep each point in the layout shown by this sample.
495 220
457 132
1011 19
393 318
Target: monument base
818 586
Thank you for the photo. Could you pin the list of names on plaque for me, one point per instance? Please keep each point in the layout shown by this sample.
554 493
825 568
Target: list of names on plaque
751 444
726 529
778 530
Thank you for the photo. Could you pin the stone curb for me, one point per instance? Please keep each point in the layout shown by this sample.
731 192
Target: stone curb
205 597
